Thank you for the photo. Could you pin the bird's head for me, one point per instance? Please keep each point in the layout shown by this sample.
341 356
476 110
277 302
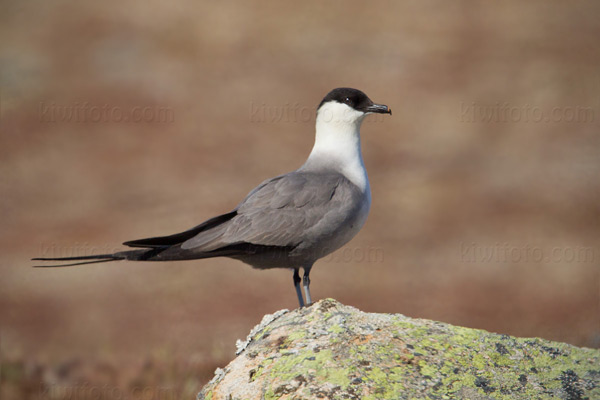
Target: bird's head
347 106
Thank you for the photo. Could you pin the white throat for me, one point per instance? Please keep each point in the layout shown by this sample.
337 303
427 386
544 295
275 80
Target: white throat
337 143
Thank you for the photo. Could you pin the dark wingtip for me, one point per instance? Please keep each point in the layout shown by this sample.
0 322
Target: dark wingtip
162 242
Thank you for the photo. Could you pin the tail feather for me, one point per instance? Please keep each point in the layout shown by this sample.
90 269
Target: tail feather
73 264
137 255
98 258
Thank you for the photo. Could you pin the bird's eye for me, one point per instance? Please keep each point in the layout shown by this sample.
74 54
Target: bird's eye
347 100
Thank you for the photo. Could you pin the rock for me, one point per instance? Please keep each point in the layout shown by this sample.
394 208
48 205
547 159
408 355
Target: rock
333 351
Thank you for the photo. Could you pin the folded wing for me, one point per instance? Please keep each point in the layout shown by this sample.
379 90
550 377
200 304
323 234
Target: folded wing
284 211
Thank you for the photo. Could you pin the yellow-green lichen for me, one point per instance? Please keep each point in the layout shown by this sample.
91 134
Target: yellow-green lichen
336 329
270 394
298 334
385 383
337 376
395 357
426 369
257 373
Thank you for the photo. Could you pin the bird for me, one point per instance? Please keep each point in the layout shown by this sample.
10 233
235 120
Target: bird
289 221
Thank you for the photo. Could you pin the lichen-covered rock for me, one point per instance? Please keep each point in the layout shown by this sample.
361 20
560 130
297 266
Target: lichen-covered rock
332 351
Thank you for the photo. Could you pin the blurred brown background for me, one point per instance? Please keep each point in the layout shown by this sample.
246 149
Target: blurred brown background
123 120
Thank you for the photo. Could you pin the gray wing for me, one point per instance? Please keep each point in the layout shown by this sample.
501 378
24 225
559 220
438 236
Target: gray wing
288 210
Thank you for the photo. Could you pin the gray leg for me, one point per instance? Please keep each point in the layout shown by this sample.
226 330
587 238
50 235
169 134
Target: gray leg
297 281
307 285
